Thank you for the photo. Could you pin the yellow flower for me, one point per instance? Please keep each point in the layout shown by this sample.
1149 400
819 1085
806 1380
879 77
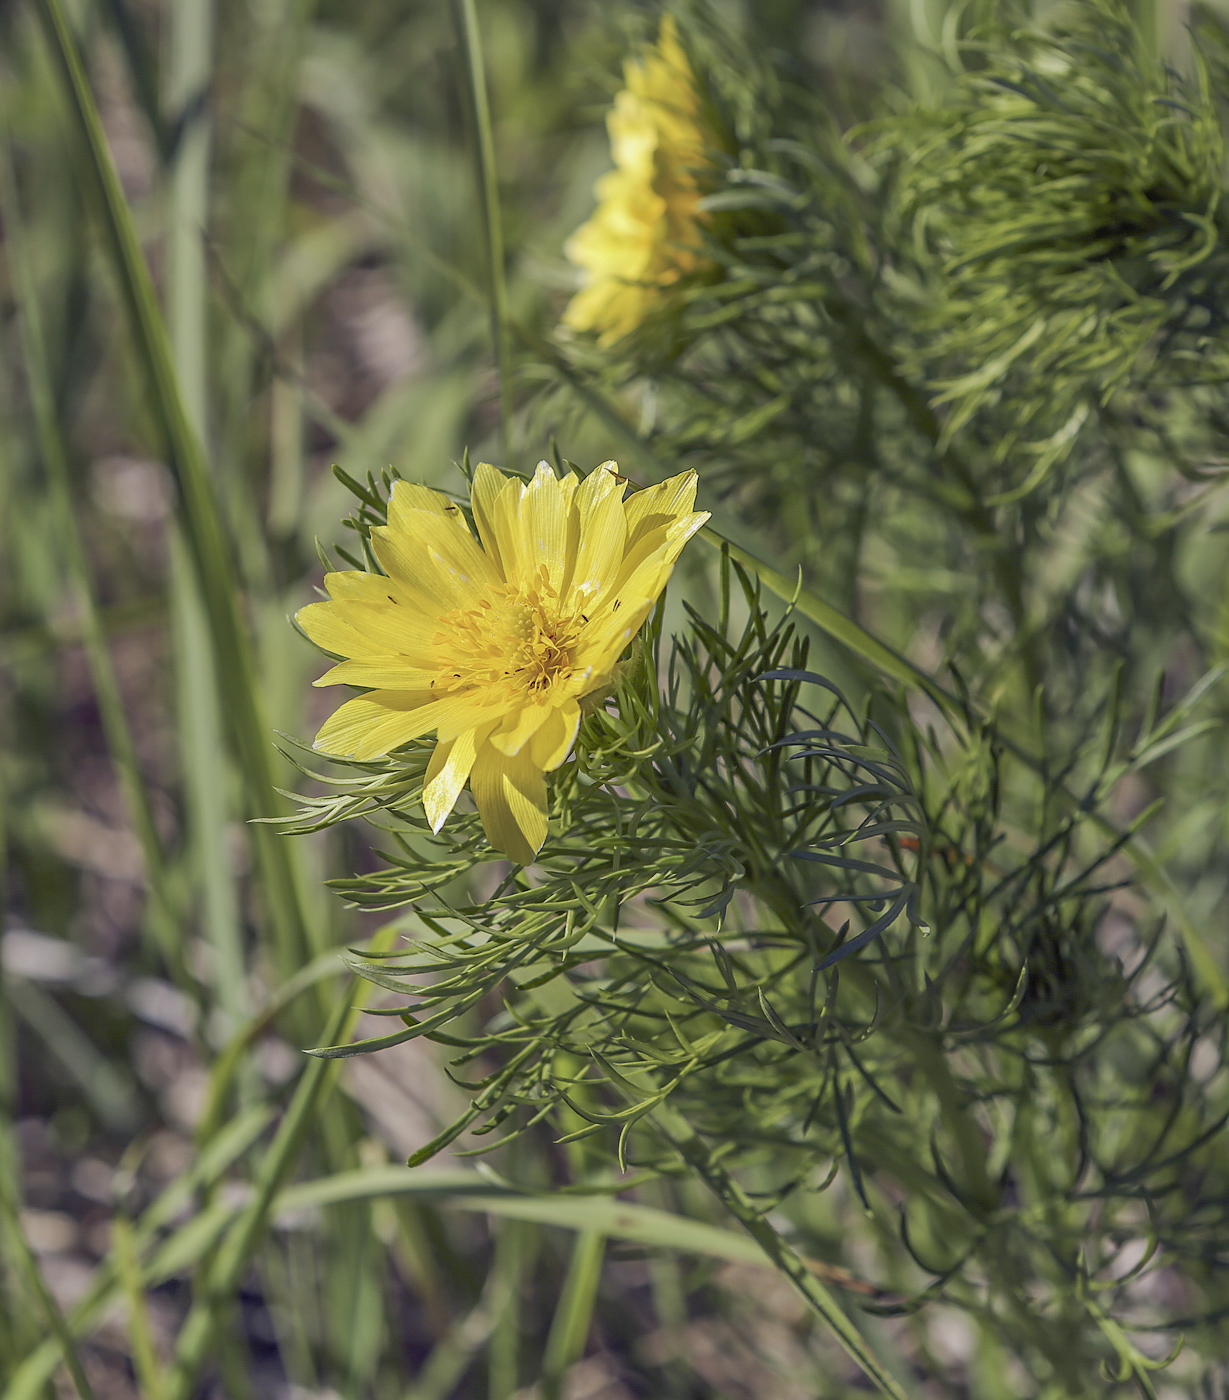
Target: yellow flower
493 645
642 238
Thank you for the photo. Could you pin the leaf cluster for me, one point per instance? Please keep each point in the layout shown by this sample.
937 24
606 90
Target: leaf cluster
1064 205
849 950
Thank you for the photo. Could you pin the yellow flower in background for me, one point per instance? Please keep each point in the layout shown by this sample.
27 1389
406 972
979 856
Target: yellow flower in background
643 236
493 642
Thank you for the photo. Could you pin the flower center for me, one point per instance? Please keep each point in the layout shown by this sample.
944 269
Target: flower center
514 641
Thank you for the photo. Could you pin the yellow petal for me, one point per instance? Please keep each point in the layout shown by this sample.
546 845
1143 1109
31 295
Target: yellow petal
356 586
381 673
504 509
439 559
547 533
609 636
447 774
370 629
409 495
510 794
552 743
603 533
520 726
466 710
489 481
371 726
658 505
660 545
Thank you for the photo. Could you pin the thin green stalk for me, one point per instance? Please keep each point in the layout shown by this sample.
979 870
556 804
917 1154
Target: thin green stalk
29 1380
475 72
200 722
140 1332
507 1271
9 1166
198 511
695 1153
569 1330
161 919
235 1253
11 1221
110 1092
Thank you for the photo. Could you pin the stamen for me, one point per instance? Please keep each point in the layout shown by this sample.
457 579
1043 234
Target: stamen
509 643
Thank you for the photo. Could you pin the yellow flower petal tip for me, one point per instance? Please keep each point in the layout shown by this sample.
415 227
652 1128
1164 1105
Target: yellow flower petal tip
644 235
491 643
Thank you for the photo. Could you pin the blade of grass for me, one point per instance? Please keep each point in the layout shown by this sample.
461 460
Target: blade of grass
161 920
110 1093
30 1379
10 1307
488 179
198 512
140 1332
507 1272
229 1062
569 1329
448 1189
200 1327
200 724
37 1285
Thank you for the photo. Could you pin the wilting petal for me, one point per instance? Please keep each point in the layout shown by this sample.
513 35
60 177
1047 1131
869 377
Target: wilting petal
510 794
447 774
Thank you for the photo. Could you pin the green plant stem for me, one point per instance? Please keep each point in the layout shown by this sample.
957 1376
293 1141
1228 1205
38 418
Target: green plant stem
565 1343
161 919
235 1254
488 176
10 1219
200 723
198 512
695 1153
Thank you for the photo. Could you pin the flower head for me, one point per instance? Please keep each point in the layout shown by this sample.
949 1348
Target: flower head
642 237
493 642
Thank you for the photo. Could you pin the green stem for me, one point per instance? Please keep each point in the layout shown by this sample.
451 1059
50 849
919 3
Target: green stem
475 70
226 1270
695 1153
200 727
11 1221
198 511
161 919
569 1330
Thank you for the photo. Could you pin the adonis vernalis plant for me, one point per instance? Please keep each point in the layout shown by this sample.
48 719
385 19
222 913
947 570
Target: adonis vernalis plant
495 642
642 238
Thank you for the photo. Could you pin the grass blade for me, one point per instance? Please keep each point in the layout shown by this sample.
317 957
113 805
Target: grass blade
198 511
475 72
160 919
569 1329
